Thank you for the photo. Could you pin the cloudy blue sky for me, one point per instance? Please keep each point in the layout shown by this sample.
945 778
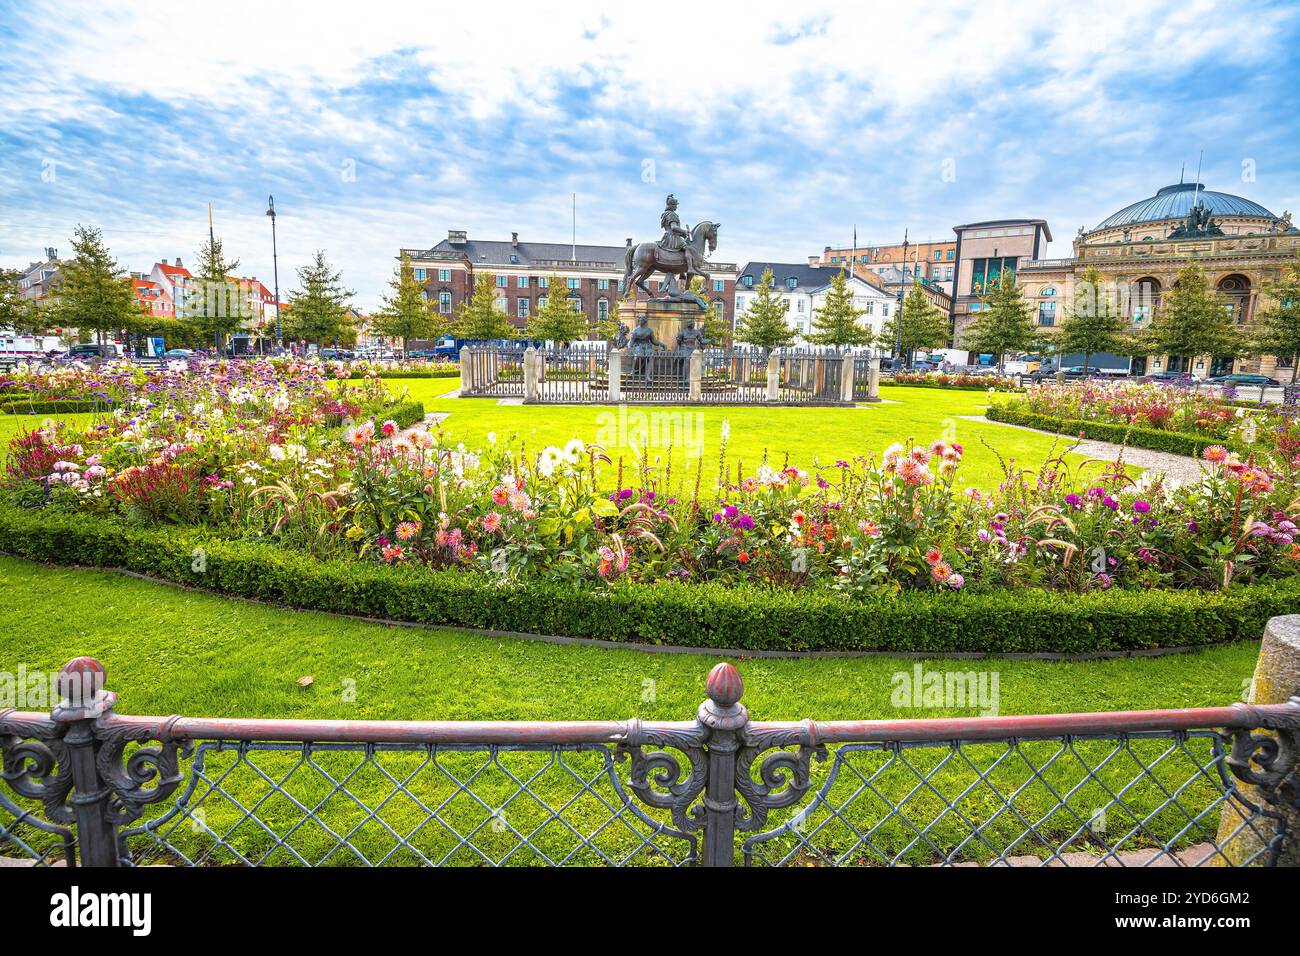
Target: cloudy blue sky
380 125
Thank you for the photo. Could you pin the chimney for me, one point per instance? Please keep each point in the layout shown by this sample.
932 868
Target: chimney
51 252
457 237
514 239
814 262
178 263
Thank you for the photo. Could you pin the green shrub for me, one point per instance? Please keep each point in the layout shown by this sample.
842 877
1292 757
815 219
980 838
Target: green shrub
452 372
52 406
1179 443
696 615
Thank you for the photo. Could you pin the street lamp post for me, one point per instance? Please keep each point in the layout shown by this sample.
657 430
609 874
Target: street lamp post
898 313
275 268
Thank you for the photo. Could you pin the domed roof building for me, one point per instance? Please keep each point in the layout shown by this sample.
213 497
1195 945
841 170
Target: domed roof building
1139 250
1159 216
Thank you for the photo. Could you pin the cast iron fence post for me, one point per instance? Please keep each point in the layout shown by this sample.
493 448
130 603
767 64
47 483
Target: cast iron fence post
725 717
84 700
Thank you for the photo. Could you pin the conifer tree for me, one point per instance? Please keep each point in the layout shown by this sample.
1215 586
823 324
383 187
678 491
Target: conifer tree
763 323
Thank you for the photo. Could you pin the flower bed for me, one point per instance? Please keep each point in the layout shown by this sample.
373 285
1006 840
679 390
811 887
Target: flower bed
279 457
975 383
709 615
1167 409
1174 442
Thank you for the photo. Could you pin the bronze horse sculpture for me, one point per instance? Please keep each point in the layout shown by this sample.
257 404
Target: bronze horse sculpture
643 260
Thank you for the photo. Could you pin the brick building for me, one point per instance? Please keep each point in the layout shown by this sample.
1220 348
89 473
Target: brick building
522 271
934 262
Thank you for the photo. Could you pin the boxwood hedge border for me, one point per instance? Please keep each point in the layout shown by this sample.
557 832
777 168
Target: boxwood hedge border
1178 443
705 616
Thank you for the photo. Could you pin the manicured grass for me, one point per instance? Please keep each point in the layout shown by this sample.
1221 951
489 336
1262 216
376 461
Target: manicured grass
804 434
171 651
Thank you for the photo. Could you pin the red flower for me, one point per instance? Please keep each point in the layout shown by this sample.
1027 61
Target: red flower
743 557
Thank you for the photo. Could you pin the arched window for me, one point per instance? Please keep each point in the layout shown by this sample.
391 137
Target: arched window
1234 290
1146 296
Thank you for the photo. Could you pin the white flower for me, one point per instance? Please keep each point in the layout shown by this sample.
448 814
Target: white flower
726 429
573 450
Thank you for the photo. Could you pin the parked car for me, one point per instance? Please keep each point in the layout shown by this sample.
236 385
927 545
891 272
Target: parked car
1242 378
1167 376
182 355
90 350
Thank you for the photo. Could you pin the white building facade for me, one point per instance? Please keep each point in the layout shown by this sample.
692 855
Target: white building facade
802 288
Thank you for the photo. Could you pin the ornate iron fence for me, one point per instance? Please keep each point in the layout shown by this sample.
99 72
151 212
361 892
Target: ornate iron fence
1177 787
734 375
492 372
660 376
568 376
809 376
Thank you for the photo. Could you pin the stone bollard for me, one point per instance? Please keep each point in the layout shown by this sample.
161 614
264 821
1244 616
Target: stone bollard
531 370
773 379
615 366
873 381
696 376
466 369
846 379
1276 680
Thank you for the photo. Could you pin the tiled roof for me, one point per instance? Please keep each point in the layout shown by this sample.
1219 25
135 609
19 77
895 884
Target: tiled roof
807 278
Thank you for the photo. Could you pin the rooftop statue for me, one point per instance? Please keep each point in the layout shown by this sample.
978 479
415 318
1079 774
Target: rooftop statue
1199 224
679 255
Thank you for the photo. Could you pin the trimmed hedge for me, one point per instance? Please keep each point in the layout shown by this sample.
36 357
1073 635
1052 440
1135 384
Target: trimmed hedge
405 414
453 372
54 406
1179 443
1003 390
708 615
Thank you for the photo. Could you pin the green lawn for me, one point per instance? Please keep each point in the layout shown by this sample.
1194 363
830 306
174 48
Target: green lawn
804 434
171 651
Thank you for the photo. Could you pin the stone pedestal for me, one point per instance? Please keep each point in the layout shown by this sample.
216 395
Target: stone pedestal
666 318
1277 680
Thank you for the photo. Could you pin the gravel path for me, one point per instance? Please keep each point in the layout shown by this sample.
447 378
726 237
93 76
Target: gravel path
1178 469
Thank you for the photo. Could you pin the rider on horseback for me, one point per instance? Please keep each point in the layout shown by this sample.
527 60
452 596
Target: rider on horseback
675 236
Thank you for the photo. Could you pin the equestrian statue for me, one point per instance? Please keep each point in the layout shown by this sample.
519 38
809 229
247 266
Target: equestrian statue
679 255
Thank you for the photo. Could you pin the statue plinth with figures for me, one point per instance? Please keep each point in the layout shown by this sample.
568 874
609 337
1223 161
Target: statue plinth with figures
679 256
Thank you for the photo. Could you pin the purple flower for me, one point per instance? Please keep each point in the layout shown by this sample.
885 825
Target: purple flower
1073 500
1109 502
1103 581
1193 527
1141 507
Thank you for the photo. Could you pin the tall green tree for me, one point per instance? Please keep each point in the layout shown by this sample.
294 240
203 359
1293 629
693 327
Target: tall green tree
1004 324
607 331
1192 321
836 322
1277 328
94 293
763 322
319 307
479 318
405 313
215 307
1093 323
921 324
558 320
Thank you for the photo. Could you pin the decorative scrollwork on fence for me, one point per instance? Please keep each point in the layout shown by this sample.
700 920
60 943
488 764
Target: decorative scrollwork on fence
1268 761
783 776
36 765
129 779
656 777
